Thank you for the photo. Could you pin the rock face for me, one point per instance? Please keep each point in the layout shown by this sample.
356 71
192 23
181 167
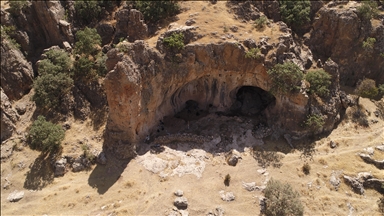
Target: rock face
145 85
9 117
339 34
16 73
130 23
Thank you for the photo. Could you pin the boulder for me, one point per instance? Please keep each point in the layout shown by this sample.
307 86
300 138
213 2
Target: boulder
60 167
15 196
106 31
356 185
181 202
227 196
249 186
233 157
179 193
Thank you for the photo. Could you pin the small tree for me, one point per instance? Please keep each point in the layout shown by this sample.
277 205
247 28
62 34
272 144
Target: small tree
45 136
282 200
85 69
154 11
88 41
253 53
88 10
367 89
314 122
295 13
369 44
320 82
285 77
261 22
367 10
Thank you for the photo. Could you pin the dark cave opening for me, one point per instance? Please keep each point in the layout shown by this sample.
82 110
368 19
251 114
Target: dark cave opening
192 111
251 101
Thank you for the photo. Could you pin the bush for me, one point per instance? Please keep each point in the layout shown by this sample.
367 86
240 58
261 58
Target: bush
261 22
15 6
381 90
369 43
154 11
176 40
88 11
320 82
50 89
6 33
306 168
84 69
367 10
282 200
54 81
367 89
45 136
314 122
295 13
88 42
286 77
101 65
253 53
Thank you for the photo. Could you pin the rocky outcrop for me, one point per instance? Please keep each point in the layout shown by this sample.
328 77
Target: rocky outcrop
130 23
339 35
16 73
145 85
9 117
41 24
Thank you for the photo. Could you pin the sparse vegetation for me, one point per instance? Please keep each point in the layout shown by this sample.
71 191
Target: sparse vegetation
227 180
176 40
314 122
282 200
45 136
261 22
359 116
369 44
87 153
306 168
154 11
6 32
285 77
88 42
295 13
367 88
253 53
16 5
319 82
368 9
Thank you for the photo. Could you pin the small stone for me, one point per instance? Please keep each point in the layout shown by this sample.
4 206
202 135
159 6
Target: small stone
249 186
333 144
15 196
181 202
227 196
60 167
234 28
179 193
190 22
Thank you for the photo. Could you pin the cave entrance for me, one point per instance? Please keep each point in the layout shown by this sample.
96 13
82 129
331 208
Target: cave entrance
192 111
251 101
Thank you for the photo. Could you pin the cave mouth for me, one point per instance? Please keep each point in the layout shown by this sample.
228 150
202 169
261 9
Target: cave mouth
251 101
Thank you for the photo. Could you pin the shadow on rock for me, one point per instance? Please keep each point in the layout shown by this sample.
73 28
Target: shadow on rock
40 174
104 177
266 158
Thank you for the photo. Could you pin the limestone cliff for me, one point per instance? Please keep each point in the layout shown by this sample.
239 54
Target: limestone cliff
144 85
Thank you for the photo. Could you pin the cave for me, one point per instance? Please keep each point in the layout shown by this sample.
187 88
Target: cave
251 101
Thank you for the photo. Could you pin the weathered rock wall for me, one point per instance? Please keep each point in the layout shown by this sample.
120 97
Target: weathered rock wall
144 85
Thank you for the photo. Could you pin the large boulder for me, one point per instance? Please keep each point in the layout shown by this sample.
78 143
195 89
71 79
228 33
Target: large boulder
130 23
16 73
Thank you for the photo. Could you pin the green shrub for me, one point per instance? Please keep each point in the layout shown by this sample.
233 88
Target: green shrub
15 6
57 61
253 53
6 33
285 77
88 42
314 122
319 82
282 200
367 89
306 168
154 11
50 90
176 40
261 22
101 65
368 9
381 90
88 11
295 13
45 136
369 44
85 69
